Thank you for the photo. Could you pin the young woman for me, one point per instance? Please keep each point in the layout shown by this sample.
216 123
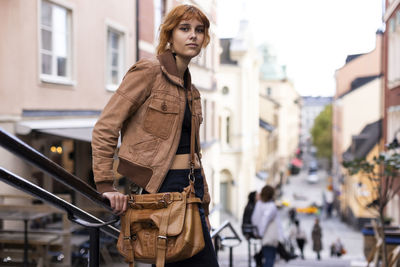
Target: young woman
266 218
152 110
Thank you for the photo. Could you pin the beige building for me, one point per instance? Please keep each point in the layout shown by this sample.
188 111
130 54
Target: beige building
267 168
238 84
275 85
357 130
54 88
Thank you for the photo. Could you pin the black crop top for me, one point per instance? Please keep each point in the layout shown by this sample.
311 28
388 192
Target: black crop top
184 143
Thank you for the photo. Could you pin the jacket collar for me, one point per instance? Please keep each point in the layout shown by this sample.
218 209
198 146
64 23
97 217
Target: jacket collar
168 66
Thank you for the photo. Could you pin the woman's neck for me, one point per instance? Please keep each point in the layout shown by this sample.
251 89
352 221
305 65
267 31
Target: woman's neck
182 64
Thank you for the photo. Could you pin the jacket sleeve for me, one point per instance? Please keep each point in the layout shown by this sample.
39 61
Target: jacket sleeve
132 92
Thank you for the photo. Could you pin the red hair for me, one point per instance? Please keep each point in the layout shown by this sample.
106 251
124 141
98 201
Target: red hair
174 17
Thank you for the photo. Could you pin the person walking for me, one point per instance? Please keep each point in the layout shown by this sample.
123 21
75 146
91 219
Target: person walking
266 218
297 233
154 111
317 238
247 227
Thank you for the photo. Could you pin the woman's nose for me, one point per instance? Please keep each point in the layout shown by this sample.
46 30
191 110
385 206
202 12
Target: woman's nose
193 34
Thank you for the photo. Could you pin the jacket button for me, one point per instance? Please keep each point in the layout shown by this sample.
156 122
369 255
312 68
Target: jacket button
164 107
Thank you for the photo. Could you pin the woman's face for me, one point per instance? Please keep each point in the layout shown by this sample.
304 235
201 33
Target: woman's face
187 38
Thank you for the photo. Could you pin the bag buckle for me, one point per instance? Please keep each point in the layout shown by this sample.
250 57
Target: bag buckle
191 176
166 199
162 237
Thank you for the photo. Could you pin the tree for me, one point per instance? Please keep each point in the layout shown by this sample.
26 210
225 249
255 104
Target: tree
382 172
322 133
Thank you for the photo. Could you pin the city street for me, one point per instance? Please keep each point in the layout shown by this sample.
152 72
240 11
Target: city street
299 193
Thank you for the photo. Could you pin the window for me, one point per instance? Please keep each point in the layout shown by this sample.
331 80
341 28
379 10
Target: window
398 17
269 91
159 12
115 58
55 46
393 53
225 90
227 138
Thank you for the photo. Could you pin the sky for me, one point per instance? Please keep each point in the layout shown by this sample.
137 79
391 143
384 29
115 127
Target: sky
311 37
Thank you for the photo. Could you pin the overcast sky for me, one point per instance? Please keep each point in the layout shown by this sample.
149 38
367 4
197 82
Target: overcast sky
311 37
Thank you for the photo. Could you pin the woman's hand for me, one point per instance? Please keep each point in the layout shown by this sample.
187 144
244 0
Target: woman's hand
118 201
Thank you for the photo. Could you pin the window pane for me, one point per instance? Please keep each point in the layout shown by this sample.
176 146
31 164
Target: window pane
114 40
46 13
114 59
114 77
61 66
46 40
60 19
60 44
46 64
60 31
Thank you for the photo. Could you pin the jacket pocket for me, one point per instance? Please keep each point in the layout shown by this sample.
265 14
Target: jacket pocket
144 152
160 117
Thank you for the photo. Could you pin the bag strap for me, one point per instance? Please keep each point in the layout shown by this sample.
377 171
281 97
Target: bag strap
162 238
192 137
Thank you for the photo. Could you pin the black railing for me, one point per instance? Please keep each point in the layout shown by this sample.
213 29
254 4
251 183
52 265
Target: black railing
226 241
75 214
24 151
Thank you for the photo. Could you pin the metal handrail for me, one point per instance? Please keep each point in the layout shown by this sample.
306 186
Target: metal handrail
75 214
218 239
24 151
224 225
38 192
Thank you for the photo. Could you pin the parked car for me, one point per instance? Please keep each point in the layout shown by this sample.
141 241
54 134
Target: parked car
312 177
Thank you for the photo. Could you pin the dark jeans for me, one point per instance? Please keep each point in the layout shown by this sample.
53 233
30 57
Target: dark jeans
300 244
269 254
176 181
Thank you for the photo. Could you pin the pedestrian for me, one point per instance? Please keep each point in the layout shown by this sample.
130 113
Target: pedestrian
153 112
297 233
316 238
337 248
266 218
248 229
292 215
329 198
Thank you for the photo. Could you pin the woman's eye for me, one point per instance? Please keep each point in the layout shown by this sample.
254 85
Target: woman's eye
200 30
185 29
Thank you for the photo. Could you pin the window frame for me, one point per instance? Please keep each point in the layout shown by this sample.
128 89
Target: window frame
53 77
122 31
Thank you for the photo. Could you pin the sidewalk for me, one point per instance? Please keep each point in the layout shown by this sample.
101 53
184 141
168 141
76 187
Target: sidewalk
331 229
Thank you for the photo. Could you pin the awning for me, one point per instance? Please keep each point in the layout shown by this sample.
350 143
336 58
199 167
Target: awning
296 162
77 129
266 126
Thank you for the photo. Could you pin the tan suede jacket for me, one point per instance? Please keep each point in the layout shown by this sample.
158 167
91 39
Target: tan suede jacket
147 110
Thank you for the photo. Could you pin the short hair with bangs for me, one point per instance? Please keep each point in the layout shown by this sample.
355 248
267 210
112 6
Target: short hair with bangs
174 17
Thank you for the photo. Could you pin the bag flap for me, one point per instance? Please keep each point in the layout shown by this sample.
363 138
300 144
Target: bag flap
176 213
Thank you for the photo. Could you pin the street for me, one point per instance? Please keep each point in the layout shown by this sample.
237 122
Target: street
299 193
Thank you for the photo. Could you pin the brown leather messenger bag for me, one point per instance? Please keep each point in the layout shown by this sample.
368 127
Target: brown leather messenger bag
163 227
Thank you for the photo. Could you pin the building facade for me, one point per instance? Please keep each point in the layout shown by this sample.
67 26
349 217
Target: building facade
356 129
391 70
238 117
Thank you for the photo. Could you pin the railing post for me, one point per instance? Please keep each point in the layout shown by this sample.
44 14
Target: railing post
230 257
94 249
249 250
